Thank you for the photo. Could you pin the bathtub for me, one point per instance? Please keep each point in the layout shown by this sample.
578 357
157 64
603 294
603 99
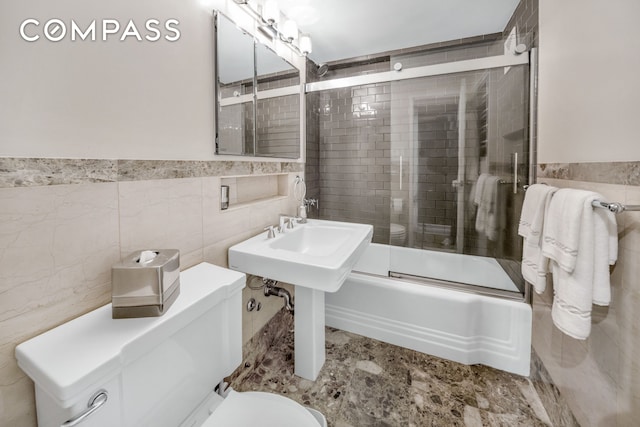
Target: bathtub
461 326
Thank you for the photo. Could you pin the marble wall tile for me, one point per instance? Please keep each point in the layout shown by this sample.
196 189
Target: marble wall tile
586 383
600 377
57 245
136 170
554 403
621 173
162 214
224 225
253 188
35 172
630 239
293 167
223 229
27 172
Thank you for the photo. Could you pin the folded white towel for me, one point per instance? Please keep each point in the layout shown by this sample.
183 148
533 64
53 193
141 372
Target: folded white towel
579 242
535 205
534 264
564 226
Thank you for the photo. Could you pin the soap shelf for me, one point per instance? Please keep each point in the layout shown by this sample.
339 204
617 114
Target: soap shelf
251 189
238 206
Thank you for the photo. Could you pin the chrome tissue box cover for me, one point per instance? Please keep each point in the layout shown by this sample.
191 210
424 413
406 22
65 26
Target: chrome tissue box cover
145 289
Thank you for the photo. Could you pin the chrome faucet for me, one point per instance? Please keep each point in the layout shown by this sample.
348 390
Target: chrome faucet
286 222
272 232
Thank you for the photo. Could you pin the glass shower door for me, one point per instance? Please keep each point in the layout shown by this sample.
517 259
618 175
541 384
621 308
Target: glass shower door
459 151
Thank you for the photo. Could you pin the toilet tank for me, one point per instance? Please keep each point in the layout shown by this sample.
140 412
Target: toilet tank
155 370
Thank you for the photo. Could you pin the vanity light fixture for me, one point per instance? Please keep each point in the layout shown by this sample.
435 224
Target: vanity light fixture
269 23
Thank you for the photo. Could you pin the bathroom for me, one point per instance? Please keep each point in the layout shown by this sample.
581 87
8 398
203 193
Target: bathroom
130 148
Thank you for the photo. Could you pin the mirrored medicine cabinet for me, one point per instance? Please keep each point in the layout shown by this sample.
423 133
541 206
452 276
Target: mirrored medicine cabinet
257 96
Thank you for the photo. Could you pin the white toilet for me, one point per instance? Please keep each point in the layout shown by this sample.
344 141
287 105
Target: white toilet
155 372
397 234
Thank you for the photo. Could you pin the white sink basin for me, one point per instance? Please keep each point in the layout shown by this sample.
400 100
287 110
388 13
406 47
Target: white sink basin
317 255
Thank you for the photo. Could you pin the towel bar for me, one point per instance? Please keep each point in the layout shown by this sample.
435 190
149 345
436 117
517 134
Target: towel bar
614 207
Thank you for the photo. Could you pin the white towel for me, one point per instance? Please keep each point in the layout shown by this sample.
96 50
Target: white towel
564 226
572 232
494 212
606 254
486 198
477 196
534 264
479 200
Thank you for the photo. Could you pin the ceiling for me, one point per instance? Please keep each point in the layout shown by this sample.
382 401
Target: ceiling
350 28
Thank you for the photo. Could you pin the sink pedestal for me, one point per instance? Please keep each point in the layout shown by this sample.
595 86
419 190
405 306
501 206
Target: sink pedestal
316 257
309 350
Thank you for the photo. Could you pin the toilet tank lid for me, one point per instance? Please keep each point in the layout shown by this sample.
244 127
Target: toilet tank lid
76 356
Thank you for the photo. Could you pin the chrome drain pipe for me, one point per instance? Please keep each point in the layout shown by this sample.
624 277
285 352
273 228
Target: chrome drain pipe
270 288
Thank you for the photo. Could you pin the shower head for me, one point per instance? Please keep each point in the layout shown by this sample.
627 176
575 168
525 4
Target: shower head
520 49
322 69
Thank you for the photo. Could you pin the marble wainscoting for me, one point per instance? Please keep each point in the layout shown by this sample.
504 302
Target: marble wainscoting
599 377
365 382
65 222
35 172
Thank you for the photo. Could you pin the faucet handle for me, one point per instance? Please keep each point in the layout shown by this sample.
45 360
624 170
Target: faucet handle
272 232
291 221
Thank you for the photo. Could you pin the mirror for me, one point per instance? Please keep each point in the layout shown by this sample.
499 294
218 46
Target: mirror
234 118
277 108
257 96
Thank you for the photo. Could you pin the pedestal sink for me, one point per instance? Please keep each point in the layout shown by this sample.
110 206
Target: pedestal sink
316 257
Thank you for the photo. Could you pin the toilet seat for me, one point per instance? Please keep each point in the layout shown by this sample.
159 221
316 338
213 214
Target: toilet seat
251 409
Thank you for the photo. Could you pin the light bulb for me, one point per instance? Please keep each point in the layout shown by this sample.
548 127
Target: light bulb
271 12
290 30
305 44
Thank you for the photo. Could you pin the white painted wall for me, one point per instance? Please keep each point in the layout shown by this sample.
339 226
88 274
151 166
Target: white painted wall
113 99
589 81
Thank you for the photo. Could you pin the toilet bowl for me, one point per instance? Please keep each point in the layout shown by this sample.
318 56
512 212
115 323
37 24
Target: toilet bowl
267 409
397 234
97 371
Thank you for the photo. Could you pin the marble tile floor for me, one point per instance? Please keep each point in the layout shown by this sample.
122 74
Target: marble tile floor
365 383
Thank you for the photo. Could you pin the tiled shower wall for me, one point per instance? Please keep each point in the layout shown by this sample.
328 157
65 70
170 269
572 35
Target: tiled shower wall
312 143
355 155
63 223
278 119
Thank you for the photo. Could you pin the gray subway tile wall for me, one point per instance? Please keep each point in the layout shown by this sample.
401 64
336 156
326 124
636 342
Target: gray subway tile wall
354 154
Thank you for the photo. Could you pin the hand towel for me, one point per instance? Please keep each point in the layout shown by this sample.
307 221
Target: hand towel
477 195
536 202
580 243
479 200
563 226
534 264
494 210
606 254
